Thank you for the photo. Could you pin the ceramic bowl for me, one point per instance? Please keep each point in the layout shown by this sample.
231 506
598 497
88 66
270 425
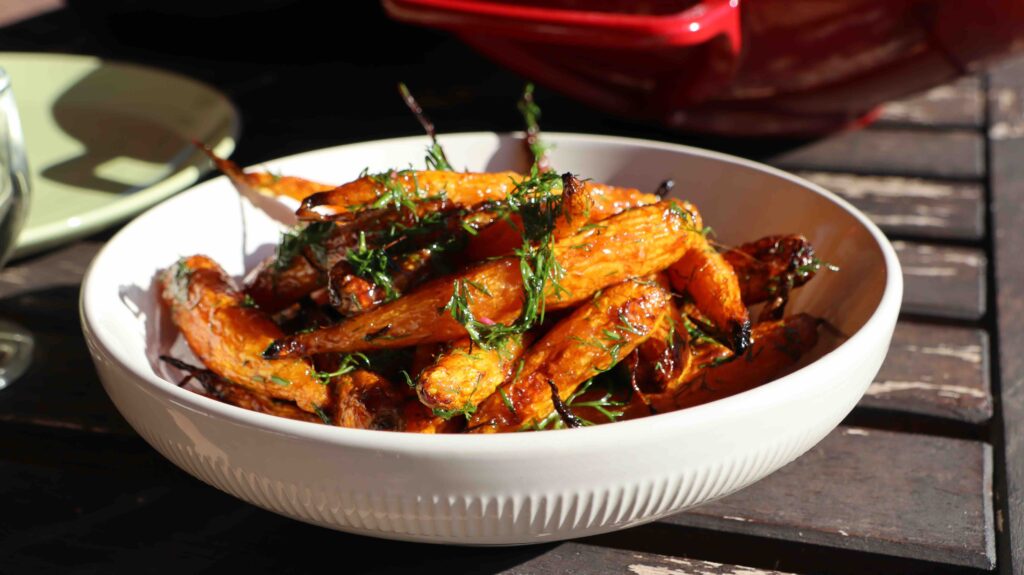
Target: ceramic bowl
511 488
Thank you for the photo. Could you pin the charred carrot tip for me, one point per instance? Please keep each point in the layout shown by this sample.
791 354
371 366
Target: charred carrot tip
740 337
276 349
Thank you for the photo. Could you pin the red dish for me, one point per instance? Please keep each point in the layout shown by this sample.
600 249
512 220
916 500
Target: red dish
766 67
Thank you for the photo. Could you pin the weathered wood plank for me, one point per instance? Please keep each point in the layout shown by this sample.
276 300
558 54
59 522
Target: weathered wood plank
899 494
957 154
960 104
943 281
571 558
935 370
912 206
1006 135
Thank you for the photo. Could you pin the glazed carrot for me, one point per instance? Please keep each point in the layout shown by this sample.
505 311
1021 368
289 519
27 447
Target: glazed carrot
363 399
228 335
223 390
459 189
465 374
632 244
592 339
776 348
711 281
588 203
263 182
769 268
665 356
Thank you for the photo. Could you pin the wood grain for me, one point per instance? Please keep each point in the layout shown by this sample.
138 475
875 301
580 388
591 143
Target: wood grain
957 154
899 494
912 206
580 558
1006 135
960 104
935 370
943 281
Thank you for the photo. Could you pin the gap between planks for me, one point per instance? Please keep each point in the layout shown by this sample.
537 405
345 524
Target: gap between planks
900 494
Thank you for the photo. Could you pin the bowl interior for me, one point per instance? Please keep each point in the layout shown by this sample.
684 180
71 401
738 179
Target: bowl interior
741 200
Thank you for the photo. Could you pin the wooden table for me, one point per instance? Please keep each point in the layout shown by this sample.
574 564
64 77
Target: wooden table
925 476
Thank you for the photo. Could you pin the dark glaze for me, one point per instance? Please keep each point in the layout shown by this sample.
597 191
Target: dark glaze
777 347
769 268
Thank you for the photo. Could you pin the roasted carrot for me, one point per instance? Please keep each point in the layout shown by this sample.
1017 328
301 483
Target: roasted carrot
364 399
777 347
769 268
465 374
223 390
711 281
632 244
264 182
228 335
592 339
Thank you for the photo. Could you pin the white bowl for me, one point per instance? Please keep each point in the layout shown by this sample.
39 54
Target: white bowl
507 488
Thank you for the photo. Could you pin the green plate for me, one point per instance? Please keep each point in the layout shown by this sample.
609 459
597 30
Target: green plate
106 140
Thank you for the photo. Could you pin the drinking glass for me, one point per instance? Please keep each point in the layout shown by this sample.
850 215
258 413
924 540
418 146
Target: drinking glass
15 342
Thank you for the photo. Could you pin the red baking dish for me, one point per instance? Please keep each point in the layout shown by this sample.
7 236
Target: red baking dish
766 67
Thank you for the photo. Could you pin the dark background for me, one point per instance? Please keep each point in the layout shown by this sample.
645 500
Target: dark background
304 77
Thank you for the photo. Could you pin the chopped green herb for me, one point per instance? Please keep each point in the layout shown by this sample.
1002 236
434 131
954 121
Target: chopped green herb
608 407
312 236
625 324
247 301
466 410
323 416
347 364
813 266
507 401
394 195
280 380
406 378
531 116
479 287
372 264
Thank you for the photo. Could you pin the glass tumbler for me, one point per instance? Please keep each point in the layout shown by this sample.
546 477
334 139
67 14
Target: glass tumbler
15 342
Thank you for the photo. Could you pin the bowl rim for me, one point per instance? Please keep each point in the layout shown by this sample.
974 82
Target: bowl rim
803 381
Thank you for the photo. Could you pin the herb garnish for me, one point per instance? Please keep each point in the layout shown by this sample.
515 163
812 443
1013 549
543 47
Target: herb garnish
372 264
606 405
531 114
293 243
323 416
538 202
813 266
347 364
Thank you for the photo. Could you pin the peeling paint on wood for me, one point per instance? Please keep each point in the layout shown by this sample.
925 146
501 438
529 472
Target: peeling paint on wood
939 371
900 494
943 281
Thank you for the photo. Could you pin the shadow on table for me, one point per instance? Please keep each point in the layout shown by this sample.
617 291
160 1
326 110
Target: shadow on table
61 388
